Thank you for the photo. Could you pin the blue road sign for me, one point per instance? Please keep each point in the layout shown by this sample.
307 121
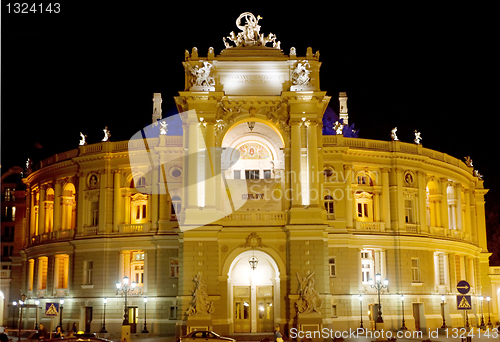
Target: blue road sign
463 287
464 302
51 309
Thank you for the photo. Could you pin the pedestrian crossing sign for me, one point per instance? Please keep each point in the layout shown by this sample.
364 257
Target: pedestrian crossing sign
51 309
464 302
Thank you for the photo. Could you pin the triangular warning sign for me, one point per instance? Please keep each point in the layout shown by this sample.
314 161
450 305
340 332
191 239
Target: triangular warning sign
51 310
464 303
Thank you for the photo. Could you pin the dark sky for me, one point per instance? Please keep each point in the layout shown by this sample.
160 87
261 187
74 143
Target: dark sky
93 65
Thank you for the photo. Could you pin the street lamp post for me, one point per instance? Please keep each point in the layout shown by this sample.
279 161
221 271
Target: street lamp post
489 312
481 298
125 289
145 330
378 284
21 305
37 302
103 329
403 326
442 312
361 311
61 301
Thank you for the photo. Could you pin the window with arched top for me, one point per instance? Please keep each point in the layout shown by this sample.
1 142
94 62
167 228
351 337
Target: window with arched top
139 208
68 217
364 205
49 210
452 207
364 179
176 207
138 182
432 204
329 207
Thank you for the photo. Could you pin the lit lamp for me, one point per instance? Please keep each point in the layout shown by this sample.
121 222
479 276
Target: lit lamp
103 329
61 301
360 311
481 298
251 125
442 312
37 302
145 330
489 313
125 289
253 261
403 326
378 284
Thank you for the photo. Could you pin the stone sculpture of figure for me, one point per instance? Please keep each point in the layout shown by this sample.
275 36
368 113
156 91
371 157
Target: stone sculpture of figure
163 127
339 127
478 175
468 161
82 139
199 301
250 33
418 138
107 134
309 300
293 51
300 75
201 76
394 137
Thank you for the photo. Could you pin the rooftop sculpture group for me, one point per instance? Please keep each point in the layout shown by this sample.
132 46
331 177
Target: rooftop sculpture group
250 35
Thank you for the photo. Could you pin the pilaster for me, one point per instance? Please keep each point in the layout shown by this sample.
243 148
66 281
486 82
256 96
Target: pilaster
57 204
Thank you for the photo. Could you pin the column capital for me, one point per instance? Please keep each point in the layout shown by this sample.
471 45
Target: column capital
116 171
386 169
58 182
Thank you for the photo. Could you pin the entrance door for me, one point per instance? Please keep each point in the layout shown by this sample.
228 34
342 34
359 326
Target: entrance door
418 315
88 318
242 306
265 309
133 315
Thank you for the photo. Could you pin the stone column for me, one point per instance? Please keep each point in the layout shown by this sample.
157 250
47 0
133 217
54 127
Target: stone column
210 166
192 159
376 205
480 219
295 156
41 210
117 200
57 204
386 201
312 163
458 195
444 204
349 196
421 204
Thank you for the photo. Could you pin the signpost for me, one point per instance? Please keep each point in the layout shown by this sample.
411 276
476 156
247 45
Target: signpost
51 310
464 302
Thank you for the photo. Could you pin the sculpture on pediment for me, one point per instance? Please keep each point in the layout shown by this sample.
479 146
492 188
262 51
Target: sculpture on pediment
107 134
201 76
468 161
418 138
394 136
199 299
250 33
300 75
163 127
82 139
309 300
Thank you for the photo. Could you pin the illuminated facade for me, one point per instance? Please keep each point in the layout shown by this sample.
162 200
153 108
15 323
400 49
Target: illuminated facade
320 215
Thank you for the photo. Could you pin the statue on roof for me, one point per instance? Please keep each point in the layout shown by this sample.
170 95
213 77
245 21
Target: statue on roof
468 161
300 75
82 139
107 134
201 77
250 33
394 137
418 138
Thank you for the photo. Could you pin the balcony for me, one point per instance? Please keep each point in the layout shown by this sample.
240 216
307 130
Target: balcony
370 226
256 218
134 228
66 234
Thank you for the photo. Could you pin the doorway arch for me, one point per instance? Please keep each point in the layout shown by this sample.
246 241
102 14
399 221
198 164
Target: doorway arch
254 294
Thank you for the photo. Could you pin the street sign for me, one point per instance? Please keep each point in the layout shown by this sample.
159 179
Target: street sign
464 302
51 309
463 287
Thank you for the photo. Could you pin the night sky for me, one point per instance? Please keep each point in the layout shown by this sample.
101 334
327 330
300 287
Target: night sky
415 67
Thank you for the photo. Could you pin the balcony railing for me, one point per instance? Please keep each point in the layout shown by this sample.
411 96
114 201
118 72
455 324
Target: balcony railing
134 228
370 226
269 218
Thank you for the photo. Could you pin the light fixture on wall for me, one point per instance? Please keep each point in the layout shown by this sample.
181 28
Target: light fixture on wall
251 125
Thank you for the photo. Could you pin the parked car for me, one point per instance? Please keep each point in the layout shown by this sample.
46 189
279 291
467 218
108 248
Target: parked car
199 336
27 335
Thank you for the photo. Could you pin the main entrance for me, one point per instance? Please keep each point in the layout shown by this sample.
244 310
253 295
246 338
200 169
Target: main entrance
253 293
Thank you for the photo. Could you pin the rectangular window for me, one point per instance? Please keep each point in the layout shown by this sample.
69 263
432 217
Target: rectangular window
267 174
42 272
237 174
174 268
367 266
333 267
61 270
173 312
415 270
252 174
409 211
95 213
334 310
88 269
31 273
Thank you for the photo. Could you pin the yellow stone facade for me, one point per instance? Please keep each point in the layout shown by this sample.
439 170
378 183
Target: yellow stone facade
346 210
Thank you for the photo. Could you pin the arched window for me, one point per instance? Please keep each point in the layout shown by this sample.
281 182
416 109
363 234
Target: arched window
139 208
329 207
138 182
364 179
452 207
176 207
68 220
49 210
364 205
432 205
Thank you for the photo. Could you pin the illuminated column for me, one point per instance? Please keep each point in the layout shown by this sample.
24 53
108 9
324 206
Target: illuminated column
117 203
386 200
348 174
210 166
312 163
458 196
192 158
421 205
30 209
154 198
444 204
41 210
467 212
480 218
296 186
57 204
376 205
